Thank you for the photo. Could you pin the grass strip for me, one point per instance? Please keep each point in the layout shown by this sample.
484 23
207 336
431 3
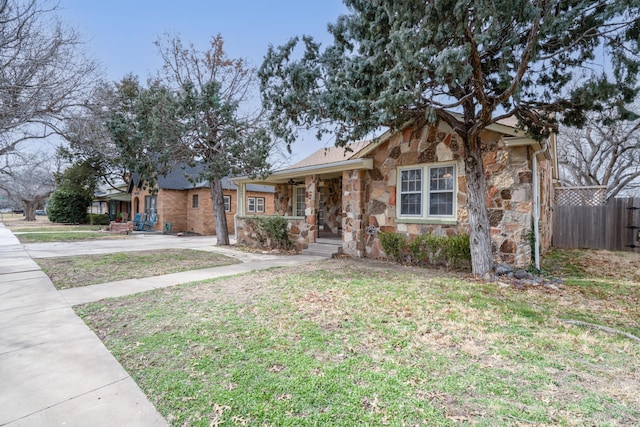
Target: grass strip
69 272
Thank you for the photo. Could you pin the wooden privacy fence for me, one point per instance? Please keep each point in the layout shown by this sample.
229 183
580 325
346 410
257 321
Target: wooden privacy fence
614 226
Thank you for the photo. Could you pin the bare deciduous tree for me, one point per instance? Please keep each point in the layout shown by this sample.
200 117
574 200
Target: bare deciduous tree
29 182
89 139
43 73
604 152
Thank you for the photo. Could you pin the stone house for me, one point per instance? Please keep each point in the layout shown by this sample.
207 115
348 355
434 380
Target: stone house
413 182
187 205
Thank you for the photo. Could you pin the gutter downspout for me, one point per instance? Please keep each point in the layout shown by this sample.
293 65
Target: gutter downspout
536 205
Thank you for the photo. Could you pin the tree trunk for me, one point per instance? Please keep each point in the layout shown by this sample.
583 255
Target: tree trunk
479 231
29 211
217 199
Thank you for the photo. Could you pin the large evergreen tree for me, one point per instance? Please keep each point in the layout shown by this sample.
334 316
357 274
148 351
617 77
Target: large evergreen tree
468 63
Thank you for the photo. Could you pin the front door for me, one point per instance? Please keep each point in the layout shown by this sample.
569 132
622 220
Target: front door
113 208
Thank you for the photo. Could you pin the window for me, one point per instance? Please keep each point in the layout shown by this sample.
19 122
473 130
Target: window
441 192
300 206
427 192
259 204
411 192
194 202
255 204
227 203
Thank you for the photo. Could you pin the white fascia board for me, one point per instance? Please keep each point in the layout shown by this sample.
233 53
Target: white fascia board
327 168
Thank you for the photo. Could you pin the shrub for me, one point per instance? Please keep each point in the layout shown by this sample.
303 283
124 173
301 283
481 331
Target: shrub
271 231
428 249
68 207
99 219
393 244
458 251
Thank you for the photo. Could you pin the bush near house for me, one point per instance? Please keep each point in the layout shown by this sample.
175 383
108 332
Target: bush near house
99 219
428 249
393 244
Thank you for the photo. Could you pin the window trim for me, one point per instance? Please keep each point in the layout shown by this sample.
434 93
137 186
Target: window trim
426 195
260 206
251 208
227 203
420 191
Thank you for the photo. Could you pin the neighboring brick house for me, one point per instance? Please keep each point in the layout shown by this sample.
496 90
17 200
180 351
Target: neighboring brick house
187 205
413 182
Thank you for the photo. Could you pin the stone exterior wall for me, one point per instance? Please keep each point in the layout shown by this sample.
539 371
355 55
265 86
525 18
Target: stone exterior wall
300 233
330 205
283 200
354 201
311 203
509 198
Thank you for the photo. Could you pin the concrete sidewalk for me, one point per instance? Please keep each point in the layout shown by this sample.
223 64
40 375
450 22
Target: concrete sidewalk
53 369
84 294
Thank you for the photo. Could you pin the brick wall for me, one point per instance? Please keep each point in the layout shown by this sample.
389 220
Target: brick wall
176 206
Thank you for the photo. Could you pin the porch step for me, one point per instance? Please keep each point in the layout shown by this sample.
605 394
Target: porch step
323 249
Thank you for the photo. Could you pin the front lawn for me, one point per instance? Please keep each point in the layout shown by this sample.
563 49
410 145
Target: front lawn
70 272
34 232
345 342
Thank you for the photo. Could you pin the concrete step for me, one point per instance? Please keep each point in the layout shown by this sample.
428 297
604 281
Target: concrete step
322 249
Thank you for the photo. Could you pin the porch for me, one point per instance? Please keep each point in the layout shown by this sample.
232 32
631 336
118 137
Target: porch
323 203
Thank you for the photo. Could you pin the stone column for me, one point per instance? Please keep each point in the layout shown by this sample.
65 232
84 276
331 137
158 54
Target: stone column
353 210
311 205
241 200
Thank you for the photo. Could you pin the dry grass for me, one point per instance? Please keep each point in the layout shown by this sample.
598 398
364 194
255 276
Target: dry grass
69 272
345 342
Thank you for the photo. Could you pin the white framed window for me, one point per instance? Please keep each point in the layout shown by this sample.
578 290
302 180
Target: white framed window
427 191
299 201
442 191
251 204
259 204
411 192
227 203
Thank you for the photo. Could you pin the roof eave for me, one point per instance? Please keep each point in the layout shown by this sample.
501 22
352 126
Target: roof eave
282 176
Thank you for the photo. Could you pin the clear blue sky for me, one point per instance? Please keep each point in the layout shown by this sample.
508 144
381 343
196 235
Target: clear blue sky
120 33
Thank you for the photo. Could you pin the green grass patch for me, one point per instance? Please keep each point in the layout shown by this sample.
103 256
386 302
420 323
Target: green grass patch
347 343
65 236
55 228
69 272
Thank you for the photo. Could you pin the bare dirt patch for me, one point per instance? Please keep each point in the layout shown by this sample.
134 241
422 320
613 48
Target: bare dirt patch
596 263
